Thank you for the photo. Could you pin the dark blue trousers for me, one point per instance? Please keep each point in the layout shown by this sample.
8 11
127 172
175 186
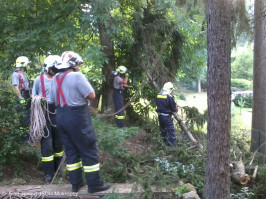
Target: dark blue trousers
167 130
77 134
51 145
118 97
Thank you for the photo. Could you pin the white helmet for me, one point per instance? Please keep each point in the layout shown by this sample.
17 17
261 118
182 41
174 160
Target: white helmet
168 87
121 69
52 61
22 61
70 59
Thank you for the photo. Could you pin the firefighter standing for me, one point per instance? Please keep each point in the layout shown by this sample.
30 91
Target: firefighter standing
71 92
51 146
165 107
21 85
118 94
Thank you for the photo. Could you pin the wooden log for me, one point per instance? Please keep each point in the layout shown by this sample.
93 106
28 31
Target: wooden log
238 173
63 191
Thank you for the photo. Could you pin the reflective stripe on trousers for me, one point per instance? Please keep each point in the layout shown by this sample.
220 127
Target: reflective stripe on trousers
71 167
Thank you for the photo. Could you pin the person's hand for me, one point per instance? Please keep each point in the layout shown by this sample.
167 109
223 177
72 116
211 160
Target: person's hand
22 101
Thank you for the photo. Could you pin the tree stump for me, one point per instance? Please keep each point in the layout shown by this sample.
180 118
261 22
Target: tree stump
238 173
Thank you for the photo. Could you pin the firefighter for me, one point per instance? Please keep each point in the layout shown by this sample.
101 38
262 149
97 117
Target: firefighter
165 107
21 85
71 92
51 145
120 82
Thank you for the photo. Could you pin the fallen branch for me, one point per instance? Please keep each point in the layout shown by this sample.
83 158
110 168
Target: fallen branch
255 172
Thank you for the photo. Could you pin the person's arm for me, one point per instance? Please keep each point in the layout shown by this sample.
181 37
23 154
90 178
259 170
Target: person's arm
91 95
17 91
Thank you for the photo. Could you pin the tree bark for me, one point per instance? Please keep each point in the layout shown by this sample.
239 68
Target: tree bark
107 85
217 170
258 136
198 86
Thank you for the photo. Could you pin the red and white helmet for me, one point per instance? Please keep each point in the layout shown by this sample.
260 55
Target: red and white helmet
70 59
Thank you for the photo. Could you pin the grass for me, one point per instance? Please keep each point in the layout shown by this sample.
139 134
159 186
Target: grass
199 100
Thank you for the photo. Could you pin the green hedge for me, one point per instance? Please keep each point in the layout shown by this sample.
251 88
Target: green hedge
241 84
10 130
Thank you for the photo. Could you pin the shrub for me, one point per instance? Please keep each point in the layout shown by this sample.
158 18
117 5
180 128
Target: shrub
10 131
241 84
243 101
182 96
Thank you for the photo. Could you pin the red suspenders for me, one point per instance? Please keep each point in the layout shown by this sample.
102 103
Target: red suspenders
21 81
59 91
42 86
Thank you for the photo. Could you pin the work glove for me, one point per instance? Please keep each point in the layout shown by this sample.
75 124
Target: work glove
126 74
22 101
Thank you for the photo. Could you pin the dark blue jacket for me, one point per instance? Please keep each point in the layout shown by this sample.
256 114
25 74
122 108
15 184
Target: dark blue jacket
165 104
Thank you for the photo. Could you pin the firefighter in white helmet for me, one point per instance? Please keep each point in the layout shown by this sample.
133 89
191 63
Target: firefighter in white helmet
120 83
165 107
21 85
71 92
51 146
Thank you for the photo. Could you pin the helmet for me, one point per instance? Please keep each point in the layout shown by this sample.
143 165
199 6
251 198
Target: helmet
22 61
70 59
121 69
168 87
51 61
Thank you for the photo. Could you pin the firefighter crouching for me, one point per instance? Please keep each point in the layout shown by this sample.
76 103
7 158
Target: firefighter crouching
21 85
118 95
71 92
51 145
165 107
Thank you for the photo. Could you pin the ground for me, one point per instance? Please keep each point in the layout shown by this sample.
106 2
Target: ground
32 174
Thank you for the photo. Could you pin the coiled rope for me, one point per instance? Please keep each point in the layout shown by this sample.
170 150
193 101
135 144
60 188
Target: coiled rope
38 121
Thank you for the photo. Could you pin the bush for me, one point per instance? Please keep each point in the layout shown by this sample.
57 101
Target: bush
243 101
10 131
241 84
182 96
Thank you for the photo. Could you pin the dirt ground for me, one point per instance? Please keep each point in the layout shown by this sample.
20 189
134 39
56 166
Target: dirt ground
31 172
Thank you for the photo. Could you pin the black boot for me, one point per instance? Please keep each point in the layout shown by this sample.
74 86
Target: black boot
48 178
76 187
100 187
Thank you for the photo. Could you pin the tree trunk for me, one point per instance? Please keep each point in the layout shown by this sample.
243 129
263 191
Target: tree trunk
198 86
107 85
217 171
258 136
238 173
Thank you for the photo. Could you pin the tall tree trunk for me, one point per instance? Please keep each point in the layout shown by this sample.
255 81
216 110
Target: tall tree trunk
258 136
198 85
217 171
107 86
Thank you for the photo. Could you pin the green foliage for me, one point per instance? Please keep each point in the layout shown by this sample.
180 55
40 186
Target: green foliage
10 131
259 185
182 96
241 84
243 101
245 193
242 63
180 190
194 117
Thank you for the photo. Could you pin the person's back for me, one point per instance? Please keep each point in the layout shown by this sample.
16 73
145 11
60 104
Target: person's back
165 107
71 92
